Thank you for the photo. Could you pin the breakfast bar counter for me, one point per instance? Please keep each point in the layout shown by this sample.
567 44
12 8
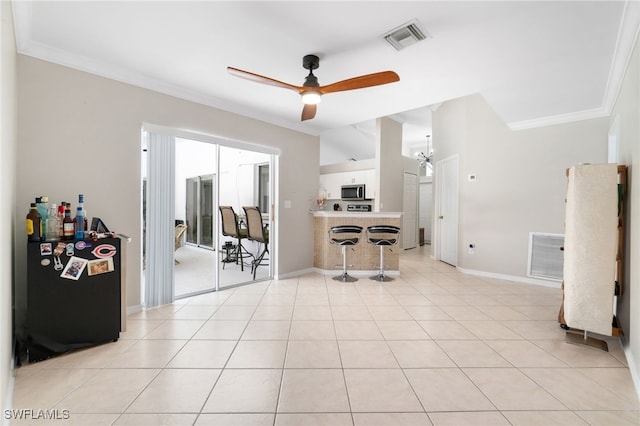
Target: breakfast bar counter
365 257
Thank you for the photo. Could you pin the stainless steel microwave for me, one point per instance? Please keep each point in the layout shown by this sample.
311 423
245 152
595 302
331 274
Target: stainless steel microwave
353 192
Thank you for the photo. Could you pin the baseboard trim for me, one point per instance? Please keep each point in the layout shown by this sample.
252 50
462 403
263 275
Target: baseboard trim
525 280
134 309
8 404
293 274
359 273
331 272
633 368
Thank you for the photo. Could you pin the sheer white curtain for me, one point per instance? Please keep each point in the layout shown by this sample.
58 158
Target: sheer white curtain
160 220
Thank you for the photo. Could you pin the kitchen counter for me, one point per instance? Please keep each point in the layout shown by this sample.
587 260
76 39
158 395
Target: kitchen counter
365 257
331 213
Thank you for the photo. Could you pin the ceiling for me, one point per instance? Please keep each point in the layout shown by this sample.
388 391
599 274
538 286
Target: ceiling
533 61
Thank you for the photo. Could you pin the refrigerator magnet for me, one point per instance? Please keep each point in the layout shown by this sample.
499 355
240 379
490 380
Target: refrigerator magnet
81 245
104 251
57 263
100 266
74 268
57 252
60 247
46 249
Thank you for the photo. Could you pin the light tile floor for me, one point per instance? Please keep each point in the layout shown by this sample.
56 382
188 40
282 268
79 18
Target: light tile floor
433 347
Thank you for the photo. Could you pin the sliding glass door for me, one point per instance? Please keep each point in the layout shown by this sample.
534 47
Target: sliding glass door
200 195
245 181
206 173
263 185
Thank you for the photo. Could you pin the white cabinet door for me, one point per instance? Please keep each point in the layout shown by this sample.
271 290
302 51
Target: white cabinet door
322 185
331 184
369 179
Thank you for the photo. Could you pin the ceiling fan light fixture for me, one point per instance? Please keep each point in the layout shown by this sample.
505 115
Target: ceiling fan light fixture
311 97
311 92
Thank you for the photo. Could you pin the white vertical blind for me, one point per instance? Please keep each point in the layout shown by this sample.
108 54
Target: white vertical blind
160 221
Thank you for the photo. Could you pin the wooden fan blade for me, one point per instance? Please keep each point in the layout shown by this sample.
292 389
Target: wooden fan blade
309 111
262 79
375 79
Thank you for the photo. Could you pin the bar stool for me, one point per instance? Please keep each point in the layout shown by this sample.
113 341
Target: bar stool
231 228
382 236
343 236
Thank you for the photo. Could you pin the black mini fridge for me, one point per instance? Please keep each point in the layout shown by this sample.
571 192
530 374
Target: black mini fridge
73 296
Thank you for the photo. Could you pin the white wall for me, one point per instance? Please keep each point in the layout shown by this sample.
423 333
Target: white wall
390 166
86 130
627 111
348 166
8 143
521 182
521 186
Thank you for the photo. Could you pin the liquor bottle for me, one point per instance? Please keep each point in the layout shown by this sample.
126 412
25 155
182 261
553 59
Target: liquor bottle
43 209
80 222
81 204
61 207
68 228
34 224
53 224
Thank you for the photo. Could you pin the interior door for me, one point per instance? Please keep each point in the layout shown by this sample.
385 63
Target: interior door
447 210
410 211
426 209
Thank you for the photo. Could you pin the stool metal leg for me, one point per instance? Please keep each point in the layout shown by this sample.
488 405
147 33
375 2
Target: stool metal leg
381 275
344 277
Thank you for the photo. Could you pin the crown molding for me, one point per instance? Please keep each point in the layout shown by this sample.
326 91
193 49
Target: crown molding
22 24
627 38
559 119
26 46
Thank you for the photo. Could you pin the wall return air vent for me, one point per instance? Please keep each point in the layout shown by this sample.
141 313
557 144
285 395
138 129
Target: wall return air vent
546 256
405 35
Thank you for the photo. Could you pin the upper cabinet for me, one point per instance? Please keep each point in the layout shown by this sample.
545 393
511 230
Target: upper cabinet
331 183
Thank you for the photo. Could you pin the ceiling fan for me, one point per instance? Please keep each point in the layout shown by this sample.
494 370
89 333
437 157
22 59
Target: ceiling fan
311 91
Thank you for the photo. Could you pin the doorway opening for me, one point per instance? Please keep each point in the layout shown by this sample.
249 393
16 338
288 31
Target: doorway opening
410 209
206 173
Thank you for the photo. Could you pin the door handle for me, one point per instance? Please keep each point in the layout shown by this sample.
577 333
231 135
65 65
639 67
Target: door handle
440 217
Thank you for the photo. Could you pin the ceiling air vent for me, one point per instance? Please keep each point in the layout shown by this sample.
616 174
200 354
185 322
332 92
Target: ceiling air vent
405 36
